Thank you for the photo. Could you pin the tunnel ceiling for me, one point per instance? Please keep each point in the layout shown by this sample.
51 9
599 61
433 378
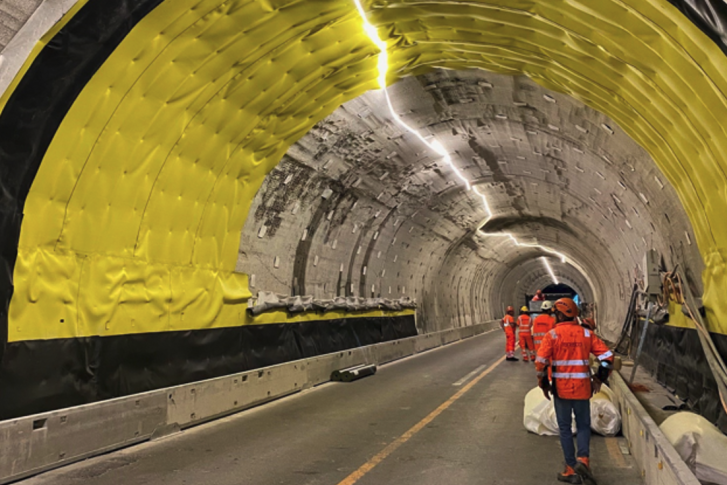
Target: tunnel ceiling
154 126
555 172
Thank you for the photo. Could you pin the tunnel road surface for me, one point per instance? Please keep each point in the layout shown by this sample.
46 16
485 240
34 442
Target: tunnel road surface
448 416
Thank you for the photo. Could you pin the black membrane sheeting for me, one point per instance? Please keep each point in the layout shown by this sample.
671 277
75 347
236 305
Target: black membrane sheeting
44 375
675 357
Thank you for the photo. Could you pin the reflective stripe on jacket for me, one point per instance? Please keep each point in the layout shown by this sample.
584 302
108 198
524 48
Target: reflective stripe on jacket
567 348
523 323
542 324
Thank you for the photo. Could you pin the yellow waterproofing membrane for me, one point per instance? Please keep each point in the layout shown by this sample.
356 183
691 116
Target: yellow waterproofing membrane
133 221
677 318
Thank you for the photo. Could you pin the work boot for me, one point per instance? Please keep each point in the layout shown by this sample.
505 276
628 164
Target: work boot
583 469
569 476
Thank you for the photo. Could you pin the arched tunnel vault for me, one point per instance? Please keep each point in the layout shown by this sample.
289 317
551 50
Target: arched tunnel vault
528 277
132 223
397 222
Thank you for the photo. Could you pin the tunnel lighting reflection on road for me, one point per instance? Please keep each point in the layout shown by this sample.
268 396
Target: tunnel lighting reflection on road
436 146
550 270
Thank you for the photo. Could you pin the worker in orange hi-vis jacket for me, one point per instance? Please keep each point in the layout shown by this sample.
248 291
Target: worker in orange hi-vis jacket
567 349
524 324
589 323
508 325
543 323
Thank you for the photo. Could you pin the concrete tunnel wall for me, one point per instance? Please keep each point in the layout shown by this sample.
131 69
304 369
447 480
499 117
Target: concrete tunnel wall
135 179
355 208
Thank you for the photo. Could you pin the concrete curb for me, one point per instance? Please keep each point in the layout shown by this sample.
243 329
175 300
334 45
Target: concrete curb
659 461
38 443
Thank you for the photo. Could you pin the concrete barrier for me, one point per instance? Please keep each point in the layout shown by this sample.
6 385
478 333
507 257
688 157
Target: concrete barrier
659 461
38 443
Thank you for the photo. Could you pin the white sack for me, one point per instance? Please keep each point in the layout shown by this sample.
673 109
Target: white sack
605 416
539 414
700 444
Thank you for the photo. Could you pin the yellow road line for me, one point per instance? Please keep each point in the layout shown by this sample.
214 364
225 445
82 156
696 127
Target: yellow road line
381 456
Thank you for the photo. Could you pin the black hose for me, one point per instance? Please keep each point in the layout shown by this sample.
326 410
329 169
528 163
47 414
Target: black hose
626 328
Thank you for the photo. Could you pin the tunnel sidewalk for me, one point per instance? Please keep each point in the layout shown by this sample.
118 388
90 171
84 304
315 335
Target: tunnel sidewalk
449 416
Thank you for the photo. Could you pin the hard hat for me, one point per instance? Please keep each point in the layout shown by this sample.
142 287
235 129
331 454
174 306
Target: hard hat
510 309
567 307
538 292
524 309
547 305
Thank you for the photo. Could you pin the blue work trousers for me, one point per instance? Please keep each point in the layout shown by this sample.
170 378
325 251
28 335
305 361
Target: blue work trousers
564 411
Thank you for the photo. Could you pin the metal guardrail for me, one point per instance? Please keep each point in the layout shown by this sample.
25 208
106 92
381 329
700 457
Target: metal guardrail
33 444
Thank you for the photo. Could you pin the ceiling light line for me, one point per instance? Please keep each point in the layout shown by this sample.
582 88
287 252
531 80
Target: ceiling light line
550 270
435 146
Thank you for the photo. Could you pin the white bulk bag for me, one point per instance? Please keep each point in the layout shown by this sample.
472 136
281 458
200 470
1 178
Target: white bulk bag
539 414
605 416
700 444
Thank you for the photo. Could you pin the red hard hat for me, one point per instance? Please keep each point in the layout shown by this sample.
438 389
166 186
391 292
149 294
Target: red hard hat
538 292
567 307
510 309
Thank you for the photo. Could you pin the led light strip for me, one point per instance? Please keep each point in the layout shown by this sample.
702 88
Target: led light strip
435 146
550 270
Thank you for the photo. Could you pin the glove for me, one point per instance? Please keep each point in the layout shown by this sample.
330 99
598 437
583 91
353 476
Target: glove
544 384
604 372
595 385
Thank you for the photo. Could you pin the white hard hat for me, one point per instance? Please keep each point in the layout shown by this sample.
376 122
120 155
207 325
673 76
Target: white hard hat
547 305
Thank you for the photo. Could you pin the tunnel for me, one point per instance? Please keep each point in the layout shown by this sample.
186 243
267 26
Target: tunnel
198 188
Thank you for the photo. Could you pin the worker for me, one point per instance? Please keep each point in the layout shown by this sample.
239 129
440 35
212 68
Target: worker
539 296
567 349
543 323
508 325
588 323
524 324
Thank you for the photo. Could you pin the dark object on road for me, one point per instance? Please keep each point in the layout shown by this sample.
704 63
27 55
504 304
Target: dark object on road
353 373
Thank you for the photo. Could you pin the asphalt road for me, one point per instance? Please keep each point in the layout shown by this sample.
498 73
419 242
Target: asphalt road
448 416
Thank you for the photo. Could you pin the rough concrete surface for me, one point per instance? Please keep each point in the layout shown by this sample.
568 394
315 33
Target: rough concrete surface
13 15
359 207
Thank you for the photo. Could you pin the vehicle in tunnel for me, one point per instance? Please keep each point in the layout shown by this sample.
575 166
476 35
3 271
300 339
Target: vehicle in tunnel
194 190
552 293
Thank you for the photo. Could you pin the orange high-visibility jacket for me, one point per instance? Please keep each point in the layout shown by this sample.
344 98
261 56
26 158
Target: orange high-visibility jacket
507 321
567 348
542 324
524 324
